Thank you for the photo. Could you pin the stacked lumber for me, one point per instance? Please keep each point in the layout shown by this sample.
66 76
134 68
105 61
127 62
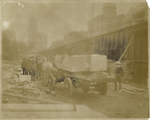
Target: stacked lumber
134 88
129 89
124 90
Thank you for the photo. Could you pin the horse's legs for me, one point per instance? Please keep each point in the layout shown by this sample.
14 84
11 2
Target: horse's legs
35 75
38 74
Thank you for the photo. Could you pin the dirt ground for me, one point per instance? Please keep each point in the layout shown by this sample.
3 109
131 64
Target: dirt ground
113 104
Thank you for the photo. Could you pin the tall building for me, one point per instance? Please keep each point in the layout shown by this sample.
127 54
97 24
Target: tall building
32 31
109 19
106 22
36 39
41 40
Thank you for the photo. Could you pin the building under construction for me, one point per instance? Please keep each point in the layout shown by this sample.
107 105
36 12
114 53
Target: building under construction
111 34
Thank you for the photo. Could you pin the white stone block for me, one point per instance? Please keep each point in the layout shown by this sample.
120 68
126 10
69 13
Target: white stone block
24 78
79 63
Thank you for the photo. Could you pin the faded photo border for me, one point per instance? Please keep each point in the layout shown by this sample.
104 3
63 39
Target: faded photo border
68 1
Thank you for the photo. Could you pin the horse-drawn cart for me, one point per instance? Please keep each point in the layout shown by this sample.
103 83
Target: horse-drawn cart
80 71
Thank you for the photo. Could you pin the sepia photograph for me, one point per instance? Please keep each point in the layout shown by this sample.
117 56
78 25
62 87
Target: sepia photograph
74 59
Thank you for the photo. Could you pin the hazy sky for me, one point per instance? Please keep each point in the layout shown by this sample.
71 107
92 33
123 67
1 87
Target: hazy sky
54 19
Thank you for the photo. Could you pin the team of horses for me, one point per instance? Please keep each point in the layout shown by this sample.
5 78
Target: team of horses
38 68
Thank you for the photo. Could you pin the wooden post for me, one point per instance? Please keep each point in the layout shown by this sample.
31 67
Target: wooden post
126 49
123 53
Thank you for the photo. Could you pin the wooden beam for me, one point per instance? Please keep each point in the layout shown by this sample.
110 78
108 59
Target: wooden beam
123 53
135 88
126 49
31 98
128 91
126 88
38 107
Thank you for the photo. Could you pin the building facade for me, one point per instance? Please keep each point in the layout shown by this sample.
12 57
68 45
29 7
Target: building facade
108 21
135 15
35 38
32 31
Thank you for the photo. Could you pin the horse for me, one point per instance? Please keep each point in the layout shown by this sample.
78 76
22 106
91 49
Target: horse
39 62
45 68
23 66
34 69
28 66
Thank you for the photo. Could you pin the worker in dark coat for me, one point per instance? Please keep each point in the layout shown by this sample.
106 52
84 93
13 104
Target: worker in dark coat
118 75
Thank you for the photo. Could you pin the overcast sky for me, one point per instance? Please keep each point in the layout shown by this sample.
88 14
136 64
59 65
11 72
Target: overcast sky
54 19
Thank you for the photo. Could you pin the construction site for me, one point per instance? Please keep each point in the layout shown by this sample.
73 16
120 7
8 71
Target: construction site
98 73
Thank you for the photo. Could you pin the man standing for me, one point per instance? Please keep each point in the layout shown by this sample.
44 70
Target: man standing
118 75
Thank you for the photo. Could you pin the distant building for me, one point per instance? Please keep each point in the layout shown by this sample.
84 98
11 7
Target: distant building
136 15
106 22
32 31
127 19
41 41
35 38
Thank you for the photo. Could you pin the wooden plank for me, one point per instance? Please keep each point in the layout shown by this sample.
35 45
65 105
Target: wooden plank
30 98
36 107
126 49
128 91
127 88
123 53
135 88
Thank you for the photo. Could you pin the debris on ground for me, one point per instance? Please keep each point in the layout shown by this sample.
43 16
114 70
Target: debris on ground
21 86
114 105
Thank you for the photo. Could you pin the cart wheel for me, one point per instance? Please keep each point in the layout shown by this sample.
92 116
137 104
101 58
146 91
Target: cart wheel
85 87
51 82
102 88
68 87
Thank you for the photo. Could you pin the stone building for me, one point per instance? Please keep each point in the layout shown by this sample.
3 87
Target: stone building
106 22
135 15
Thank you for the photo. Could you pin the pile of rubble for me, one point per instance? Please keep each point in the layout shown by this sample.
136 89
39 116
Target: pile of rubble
21 88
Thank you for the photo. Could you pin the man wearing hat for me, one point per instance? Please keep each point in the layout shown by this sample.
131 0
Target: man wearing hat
118 75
